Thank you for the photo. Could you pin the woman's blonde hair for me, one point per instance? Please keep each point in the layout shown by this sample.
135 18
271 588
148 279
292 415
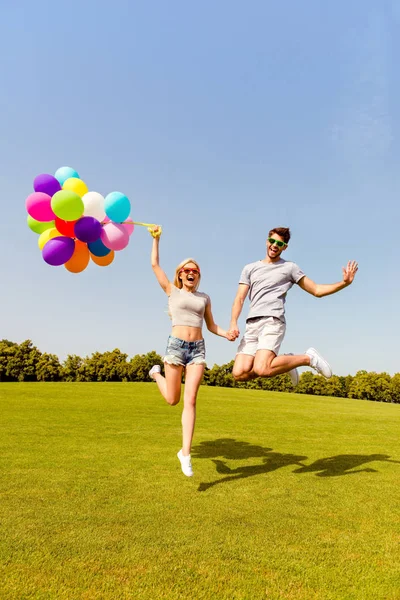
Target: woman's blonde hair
177 281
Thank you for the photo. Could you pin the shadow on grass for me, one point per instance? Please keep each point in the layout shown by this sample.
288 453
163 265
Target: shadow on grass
230 449
234 450
333 466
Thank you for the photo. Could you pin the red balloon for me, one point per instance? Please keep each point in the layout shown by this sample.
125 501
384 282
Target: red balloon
65 227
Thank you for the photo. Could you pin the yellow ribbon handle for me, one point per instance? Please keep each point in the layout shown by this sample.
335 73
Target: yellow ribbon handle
155 234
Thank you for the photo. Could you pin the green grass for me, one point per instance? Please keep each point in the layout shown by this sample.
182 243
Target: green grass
294 497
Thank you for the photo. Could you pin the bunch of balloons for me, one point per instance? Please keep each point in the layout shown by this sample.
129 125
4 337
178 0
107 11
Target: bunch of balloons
76 226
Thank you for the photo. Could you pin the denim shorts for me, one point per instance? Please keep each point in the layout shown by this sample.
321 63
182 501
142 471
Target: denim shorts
183 353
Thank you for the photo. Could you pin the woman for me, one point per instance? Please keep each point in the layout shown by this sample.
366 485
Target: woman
185 349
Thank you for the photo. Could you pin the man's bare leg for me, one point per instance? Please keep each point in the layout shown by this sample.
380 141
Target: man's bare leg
267 364
243 367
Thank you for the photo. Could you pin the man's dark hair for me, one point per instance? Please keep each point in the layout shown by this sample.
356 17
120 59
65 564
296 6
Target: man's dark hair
283 232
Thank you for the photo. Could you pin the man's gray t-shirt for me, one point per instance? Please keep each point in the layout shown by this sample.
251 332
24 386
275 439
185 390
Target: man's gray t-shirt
269 284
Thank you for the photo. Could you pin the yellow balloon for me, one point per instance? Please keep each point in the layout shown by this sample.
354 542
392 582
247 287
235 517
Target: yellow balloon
46 236
73 184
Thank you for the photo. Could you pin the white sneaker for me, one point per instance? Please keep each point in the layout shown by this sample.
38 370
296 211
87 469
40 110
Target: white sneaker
293 374
155 369
186 464
318 363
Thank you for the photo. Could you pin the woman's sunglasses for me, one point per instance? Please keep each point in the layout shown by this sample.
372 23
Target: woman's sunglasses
273 241
187 271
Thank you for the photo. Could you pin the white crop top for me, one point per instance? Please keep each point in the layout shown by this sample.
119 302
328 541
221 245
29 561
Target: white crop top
187 308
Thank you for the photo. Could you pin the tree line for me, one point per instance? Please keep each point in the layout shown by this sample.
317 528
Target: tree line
25 362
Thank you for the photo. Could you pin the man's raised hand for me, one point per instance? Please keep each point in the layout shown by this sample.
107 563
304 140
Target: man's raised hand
350 271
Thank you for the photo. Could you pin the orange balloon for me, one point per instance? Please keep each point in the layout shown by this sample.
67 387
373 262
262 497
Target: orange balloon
80 258
103 261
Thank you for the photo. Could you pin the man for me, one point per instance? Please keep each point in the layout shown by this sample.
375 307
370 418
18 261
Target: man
268 282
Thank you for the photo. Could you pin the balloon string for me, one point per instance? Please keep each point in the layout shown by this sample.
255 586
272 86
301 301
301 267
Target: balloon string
142 224
136 223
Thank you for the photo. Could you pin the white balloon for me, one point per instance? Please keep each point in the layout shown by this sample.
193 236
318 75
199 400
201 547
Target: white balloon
94 206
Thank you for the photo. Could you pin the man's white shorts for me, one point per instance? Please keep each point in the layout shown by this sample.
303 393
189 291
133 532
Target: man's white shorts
262 333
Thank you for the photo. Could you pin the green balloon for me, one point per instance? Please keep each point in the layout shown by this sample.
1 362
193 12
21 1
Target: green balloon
67 205
38 226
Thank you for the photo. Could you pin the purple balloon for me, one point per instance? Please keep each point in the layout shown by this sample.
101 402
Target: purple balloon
87 229
47 184
58 250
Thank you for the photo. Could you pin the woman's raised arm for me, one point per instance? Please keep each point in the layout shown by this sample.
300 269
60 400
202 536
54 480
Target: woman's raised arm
155 260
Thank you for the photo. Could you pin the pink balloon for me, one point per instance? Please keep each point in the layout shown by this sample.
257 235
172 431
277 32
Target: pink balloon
129 226
115 236
38 206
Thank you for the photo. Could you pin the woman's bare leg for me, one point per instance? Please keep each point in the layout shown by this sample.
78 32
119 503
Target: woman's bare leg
194 374
170 385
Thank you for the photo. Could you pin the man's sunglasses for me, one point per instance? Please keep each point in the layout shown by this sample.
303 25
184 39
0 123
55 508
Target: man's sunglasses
280 244
187 271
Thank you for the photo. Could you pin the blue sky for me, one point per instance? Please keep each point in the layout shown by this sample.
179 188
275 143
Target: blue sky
219 120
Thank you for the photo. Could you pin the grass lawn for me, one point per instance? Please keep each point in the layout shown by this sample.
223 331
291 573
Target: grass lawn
294 497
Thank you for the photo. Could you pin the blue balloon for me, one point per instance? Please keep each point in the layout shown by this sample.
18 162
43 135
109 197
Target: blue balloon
117 207
97 248
64 173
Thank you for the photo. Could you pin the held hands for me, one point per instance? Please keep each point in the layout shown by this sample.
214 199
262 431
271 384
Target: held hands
232 334
234 330
349 272
155 231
